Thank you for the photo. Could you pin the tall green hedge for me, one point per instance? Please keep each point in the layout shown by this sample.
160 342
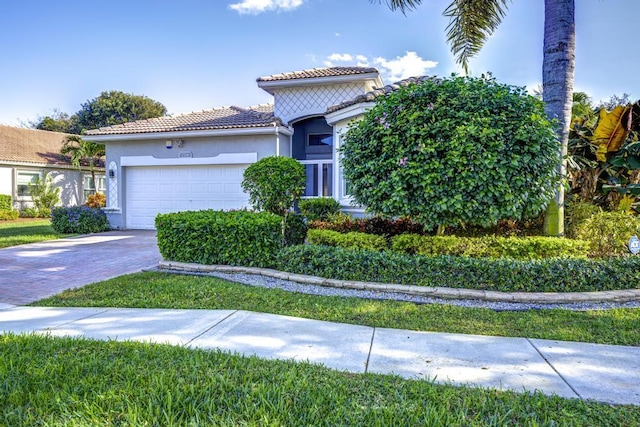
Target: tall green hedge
217 237
504 274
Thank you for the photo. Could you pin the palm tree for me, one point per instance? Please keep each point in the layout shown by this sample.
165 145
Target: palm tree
471 22
83 154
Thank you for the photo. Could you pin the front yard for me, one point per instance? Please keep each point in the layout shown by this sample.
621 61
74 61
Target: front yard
26 230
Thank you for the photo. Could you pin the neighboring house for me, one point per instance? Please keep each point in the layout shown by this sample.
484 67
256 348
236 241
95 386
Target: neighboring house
27 154
196 161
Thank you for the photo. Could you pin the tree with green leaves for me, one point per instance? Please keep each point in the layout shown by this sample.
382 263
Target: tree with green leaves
473 21
453 151
115 107
83 154
58 121
44 195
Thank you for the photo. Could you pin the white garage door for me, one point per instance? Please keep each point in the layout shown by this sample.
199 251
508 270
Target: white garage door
162 189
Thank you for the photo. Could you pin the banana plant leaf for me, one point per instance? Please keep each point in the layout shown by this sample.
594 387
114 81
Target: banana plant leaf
610 132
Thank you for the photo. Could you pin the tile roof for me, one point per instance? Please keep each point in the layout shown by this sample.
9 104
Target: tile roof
32 146
318 72
372 95
217 118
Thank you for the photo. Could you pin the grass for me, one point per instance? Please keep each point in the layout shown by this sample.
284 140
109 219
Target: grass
23 231
67 381
162 290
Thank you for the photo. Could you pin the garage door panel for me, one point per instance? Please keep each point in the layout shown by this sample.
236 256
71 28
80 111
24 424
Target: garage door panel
153 190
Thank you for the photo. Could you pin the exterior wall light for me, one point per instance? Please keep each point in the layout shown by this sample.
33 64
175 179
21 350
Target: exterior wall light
169 144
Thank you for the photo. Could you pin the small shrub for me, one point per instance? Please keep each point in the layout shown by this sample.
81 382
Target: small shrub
45 196
608 233
296 230
79 220
29 213
217 237
6 202
576 214
274 183
8 214
507 275
96 201
318 209
490 246
344 223
352 240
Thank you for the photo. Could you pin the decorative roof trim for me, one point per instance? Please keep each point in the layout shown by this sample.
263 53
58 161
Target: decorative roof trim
372 95
159 135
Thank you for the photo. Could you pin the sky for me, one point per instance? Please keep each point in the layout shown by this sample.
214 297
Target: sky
192 55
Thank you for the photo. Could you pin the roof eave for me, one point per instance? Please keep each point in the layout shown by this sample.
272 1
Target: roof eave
348 112
270 85
262 130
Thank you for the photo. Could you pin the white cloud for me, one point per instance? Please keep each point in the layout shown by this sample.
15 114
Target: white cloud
340 57
402 67
254 7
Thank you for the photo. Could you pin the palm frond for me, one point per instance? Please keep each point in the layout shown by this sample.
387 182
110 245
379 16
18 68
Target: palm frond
471 22
403 5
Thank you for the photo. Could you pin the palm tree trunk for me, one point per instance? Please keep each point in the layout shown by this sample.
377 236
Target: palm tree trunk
557 84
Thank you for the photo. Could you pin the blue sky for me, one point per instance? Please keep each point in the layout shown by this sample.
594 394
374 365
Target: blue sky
198 54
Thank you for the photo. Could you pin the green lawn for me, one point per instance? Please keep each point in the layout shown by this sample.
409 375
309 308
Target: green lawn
162 290
72 382
22 231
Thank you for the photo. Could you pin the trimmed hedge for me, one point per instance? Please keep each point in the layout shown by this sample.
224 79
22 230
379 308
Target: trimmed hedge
353 240
318 209
6 202
217 237
79 220
534 247
608 233
507 275
8 214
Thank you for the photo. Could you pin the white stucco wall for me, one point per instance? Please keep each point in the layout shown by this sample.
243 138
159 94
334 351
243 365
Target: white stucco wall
6 180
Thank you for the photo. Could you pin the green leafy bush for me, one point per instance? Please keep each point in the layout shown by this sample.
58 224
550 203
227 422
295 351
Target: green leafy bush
449 151
507 275
296 230
320 208
45 196
608 233
535 247
30 213
377 225
274 183
353 240
6 202
79 220
8 214
217 237
576 214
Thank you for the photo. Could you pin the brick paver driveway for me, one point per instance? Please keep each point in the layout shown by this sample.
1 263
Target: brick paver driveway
38 270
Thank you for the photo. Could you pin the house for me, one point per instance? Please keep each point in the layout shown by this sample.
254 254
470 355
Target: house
27 154
196 161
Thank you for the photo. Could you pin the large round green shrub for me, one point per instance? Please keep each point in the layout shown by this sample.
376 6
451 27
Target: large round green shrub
274 183
451 151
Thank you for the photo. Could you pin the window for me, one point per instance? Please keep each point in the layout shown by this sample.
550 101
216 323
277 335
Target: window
320 140
24 179
89 186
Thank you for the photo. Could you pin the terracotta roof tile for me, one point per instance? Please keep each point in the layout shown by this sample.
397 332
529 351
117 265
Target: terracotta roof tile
318 72
372 95
218 118
32 146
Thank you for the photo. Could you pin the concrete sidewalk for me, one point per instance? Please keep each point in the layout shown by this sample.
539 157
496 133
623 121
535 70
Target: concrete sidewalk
588 371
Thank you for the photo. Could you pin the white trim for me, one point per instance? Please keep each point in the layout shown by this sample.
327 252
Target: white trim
315 81
220 159
348 112
45 166
266 130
